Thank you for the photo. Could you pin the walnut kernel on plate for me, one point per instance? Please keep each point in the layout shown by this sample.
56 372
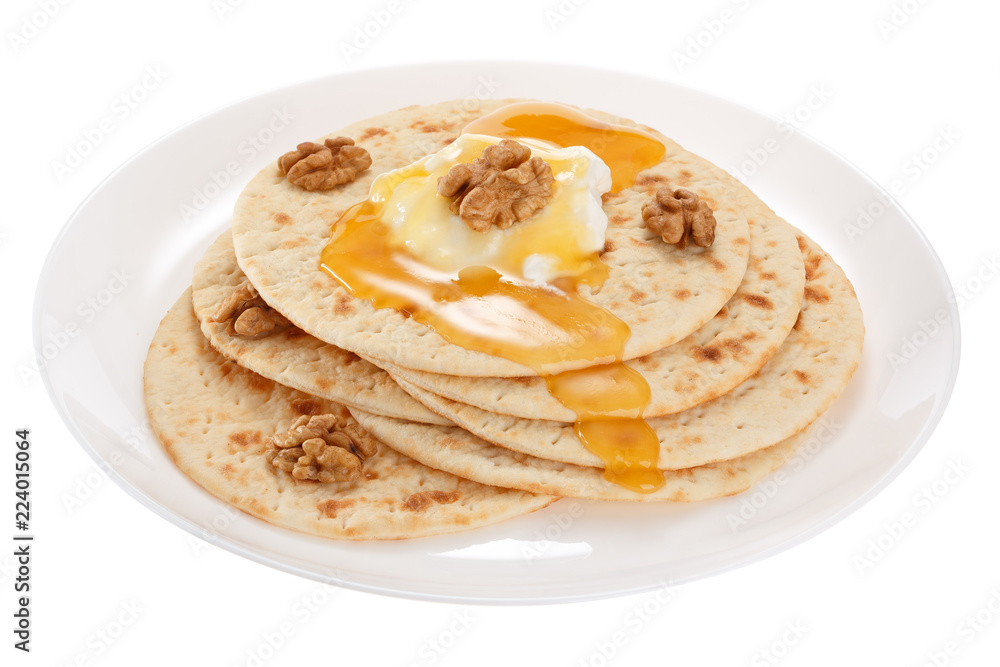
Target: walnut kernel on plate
324 166
679 216
326 448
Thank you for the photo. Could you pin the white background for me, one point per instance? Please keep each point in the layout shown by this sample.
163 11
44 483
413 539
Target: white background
102 558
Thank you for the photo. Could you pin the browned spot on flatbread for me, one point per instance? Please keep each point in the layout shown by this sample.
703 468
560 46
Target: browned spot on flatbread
816 295
758 300
294 333
608 247
812 263
716 264
292 243
428 127
723 312
227 470
257 507
650 179
742 240
686 174
343 305
370 474
803 246
372 132
802 377
767 275
306 406
636 297
282 218
329 508
735 347
707 353
243 439
798 321
682 294
618 219
448 140
259 383
417 502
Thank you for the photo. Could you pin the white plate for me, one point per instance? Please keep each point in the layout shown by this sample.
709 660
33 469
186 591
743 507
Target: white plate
128 251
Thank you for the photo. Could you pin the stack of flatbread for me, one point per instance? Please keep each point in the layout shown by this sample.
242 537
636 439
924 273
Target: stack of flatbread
744 345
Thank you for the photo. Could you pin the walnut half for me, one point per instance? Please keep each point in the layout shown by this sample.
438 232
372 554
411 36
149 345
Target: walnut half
326 448
500 188
679 216
248 314
324 166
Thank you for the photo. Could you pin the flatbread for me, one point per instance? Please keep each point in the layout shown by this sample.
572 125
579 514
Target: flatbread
720 355
792 390
293 357
662 292
214 419
460 452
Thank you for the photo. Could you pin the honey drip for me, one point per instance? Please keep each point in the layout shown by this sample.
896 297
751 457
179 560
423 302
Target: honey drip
489 310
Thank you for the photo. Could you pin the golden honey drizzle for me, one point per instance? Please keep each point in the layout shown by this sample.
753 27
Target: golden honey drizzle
485 309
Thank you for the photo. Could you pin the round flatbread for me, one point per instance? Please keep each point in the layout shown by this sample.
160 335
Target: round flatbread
460 452
662 292
809 371
293 357
720 355
215 418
